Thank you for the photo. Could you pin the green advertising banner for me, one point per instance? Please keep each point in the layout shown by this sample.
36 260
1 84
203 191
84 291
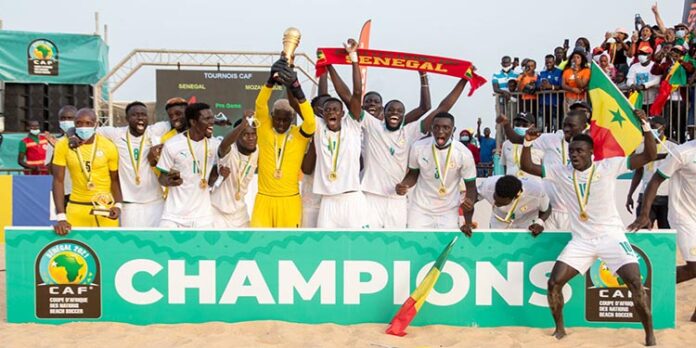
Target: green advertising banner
30 57
311 276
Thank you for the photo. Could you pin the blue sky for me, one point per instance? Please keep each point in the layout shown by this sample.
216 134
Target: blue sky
479 31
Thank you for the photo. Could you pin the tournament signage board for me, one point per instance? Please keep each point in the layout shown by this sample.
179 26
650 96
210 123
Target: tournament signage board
494 278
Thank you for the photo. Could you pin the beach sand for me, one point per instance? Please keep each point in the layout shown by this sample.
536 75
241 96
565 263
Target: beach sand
282 334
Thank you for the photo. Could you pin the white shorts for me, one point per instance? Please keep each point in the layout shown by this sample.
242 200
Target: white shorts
142 215
346 210
614 250
309 216
205 222
387 212
686 240
239 219
419 219
558 221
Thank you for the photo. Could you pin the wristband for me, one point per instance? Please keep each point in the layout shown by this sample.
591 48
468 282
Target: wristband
353 57
538 221
61 217
118 205
527 143
645 126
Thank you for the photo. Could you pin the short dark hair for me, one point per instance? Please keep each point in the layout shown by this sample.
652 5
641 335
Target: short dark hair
578 113
550 56
584 138
332 99
508 186
316 99
386 106
372 93
134 104
67 108
193 111
444 114
503 58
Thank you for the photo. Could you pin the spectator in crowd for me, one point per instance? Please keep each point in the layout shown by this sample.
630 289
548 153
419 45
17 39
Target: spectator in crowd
502 84
606 66
549 80
620 82
641 79
559 54
617 48
576 76
465 138
676 108
681 31
584 43
32 151
486 143
526 83
645 38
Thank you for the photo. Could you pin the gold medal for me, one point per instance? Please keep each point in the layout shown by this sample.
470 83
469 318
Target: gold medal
441 174
584 216
278 174
237 196
442 191
137 180
333 176
204 184
90 186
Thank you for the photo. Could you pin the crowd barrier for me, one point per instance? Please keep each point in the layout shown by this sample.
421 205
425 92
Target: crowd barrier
494 278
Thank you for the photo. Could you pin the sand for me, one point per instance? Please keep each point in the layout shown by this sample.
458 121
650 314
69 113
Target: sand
282 334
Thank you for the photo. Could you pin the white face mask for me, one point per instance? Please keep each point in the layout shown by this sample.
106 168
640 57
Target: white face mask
507 69
84 133
34 131
681 33
521 130
65 125
642 59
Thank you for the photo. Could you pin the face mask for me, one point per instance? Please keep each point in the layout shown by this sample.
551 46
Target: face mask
521 130
507 69
65 125
642 59
655 132
34 131
464 139
84 133
681 33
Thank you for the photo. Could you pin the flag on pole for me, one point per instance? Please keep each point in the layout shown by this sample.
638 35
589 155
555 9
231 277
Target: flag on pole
676 77
615 129
364 43
414 303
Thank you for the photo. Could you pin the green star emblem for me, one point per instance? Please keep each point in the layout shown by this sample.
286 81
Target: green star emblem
617 117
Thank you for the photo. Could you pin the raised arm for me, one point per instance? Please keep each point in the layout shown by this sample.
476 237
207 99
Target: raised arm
425 103
323 84
261 105
509 131
658 18
231 137
526 163
445 105
355 103
340 86
288 77
649 153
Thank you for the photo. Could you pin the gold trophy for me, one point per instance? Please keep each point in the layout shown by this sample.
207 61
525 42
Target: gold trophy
291 39
102 203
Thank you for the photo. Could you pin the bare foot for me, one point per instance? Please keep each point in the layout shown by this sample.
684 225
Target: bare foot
650 340
559 333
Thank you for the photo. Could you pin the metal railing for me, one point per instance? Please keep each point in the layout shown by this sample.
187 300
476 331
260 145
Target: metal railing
549 107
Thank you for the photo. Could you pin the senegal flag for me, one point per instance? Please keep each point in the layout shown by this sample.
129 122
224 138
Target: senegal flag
676 77
414 303
616 131
636 99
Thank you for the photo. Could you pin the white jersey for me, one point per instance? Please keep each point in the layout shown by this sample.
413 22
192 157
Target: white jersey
188 201
681 171
461 167
510 157
532 201
555 152
386 155
309 199
604 218
67 182
650 168
158 129
229 196
149 189
347 142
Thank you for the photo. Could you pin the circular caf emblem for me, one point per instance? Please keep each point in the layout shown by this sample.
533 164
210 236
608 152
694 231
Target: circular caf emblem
603 277
42 49
63 265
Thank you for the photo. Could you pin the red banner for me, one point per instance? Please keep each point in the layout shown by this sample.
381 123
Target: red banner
401 60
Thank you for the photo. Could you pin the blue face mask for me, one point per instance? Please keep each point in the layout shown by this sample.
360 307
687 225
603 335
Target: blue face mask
464 138
65 125
656 133
34 131
521 130
84 133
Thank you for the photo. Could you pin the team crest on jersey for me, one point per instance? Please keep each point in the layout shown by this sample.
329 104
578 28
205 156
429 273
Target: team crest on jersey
100 153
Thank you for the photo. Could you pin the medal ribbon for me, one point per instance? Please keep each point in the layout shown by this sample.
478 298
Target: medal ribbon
136 166
279 153
334 147
584 198
564 153
439 173
205 154
243 172
85 172
508 218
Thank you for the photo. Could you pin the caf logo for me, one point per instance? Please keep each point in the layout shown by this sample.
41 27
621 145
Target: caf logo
42 57
68 276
